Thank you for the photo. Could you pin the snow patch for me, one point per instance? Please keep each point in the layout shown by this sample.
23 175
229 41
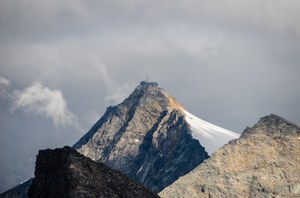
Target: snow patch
210 136
24 181
140 170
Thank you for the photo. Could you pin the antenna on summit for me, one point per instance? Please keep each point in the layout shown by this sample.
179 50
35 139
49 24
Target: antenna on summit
147 79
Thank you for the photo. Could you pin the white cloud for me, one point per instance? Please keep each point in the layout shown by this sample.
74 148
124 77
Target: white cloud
4 81
43 101
4 85
116 93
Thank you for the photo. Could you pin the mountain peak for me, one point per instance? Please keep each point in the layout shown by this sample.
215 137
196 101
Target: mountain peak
172 102
149 136
146 137
272 119
150 94
273 125
147 95
146 83
146 86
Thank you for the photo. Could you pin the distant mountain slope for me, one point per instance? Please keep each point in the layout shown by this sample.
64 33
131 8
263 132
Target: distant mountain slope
151 138
263 162
19 191
64 173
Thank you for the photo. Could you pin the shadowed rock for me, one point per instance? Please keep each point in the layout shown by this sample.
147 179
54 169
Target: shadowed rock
63 173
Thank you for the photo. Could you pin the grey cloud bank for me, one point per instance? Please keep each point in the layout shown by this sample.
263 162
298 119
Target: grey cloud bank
229 62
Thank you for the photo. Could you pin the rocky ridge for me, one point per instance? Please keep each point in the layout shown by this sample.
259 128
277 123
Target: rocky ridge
146 137
263 162
64 173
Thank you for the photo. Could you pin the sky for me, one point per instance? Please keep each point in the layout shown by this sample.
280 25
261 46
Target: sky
62 62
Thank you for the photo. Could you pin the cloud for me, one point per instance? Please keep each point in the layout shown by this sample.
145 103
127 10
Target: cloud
4 81
118 94
229 62
115 93
43 101
4 84
17 14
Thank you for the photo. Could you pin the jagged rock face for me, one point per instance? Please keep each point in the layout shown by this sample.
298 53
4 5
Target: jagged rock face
263 162
64 173
19 191
146 137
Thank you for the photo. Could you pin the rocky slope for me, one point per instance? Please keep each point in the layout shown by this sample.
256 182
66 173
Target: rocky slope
64 173
263 162
19 191
148 137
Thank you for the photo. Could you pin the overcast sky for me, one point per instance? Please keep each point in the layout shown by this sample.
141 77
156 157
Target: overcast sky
62 62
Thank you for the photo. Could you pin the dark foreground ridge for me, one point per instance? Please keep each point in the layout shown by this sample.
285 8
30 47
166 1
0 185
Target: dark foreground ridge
65 173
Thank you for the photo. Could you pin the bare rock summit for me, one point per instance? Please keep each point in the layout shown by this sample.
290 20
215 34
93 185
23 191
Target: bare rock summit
263 162
152 138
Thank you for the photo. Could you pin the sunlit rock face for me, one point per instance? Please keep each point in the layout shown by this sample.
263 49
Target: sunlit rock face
150 138
263 162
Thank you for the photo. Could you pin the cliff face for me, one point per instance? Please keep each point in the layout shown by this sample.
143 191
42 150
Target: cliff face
263 162
146 137
65 173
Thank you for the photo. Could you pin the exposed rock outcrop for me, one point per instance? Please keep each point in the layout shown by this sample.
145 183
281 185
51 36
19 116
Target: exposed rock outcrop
146 137
64 173
263 162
